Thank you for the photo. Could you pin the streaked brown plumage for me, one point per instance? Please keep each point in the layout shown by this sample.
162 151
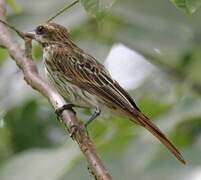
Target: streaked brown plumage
82 80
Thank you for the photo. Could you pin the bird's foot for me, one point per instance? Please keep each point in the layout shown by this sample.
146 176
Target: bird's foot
74 128
69 106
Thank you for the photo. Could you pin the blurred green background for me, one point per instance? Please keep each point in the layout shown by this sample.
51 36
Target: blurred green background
153 48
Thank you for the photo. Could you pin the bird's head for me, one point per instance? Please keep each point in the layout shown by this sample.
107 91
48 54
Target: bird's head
50 33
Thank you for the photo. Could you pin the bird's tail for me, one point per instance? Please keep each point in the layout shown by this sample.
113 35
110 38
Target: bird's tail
151 127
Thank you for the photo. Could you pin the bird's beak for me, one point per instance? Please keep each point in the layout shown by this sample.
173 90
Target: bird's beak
30 34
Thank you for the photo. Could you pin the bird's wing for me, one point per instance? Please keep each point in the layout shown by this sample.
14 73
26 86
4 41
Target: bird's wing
84 71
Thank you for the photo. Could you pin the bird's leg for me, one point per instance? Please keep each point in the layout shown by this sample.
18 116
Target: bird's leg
70 106
93 117
73 129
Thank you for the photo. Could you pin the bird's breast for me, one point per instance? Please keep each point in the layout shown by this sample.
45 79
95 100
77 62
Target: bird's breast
47 53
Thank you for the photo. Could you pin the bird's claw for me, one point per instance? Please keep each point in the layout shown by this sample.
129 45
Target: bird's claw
60 110
73 130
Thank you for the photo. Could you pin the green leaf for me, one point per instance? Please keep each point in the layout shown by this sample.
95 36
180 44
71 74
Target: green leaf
28 128
187 132
5 144
13 4
179 3
193 5
3 55
97 7
190 6
153 108
91 6
37 52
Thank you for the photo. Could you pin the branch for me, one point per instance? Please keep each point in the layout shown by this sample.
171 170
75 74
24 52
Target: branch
24 61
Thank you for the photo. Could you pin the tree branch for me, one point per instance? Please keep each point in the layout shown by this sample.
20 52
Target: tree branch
24 61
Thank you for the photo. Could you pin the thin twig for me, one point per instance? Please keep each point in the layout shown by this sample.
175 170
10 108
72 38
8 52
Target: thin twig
62 10
21 34
24 61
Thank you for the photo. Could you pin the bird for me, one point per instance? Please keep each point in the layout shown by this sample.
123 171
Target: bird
85 82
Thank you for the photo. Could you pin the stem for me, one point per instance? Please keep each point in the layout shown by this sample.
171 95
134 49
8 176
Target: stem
62 10
21 34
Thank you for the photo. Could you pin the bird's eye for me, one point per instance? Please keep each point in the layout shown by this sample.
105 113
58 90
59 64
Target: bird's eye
40 30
